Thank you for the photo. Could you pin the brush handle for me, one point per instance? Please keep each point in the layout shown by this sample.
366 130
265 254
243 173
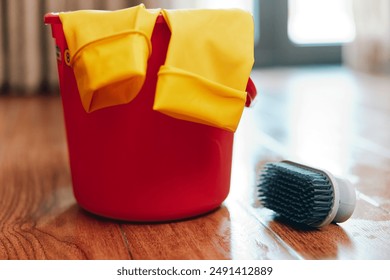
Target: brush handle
347 200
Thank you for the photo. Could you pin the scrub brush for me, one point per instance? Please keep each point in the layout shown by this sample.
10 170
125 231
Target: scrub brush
305 195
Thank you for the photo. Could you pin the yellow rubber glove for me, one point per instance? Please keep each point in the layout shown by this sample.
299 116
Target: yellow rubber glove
109 53
209 60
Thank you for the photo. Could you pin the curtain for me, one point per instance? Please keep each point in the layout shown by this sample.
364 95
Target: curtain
370 50
27 52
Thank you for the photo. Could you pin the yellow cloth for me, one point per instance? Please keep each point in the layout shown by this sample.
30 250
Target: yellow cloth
209 60
109 53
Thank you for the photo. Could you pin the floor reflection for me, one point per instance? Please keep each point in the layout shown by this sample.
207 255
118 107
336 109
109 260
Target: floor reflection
324 243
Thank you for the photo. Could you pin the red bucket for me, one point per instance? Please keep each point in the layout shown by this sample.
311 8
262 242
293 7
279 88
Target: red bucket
132 163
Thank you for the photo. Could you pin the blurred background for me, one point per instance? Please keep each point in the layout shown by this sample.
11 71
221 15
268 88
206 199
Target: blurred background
355 33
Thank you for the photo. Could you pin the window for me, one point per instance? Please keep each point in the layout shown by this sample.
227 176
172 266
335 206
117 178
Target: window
302 31
320 21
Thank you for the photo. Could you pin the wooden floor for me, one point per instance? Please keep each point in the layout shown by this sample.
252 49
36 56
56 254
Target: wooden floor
330 117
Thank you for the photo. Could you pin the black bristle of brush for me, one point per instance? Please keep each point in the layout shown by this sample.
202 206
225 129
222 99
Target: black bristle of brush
298 194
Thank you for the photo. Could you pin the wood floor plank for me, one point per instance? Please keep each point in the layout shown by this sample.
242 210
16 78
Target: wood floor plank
39 218
227 233
201 238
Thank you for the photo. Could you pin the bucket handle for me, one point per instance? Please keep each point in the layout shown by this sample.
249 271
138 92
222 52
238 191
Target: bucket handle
251 93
